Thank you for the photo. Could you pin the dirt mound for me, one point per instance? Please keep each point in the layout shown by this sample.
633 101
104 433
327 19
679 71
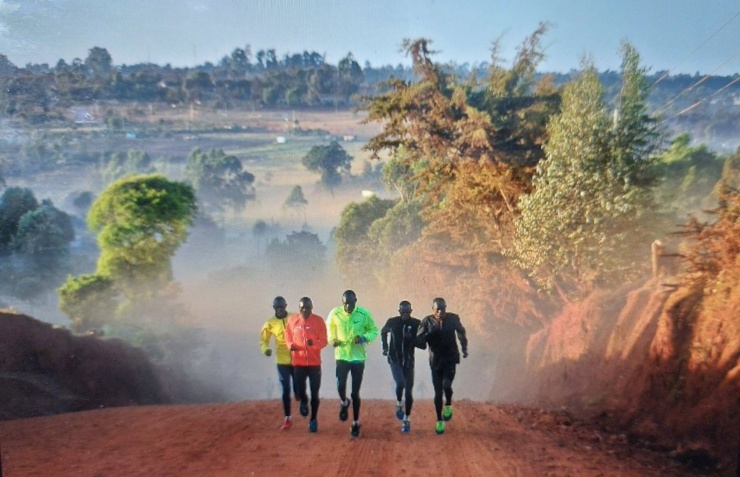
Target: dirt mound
244 439
656 362
46 370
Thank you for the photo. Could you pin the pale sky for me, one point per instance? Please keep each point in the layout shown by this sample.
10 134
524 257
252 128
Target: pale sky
683 36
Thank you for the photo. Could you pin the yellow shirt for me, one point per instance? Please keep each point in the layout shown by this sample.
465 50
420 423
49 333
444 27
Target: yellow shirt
276 327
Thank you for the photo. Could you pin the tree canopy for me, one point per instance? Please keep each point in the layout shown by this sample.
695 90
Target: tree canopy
219 180
331 161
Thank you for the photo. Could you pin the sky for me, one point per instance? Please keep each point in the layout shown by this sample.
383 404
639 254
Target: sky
681 36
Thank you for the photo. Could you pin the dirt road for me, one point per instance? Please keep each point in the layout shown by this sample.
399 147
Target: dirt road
244 439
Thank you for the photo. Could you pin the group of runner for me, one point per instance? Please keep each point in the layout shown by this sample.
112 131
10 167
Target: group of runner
349 328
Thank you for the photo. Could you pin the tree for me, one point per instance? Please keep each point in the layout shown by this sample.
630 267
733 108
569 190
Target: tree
688 175
354 248
140 221
88 300
349 75
465 151
99 62
330 161
584 222
44 235
14 204
296 200
219 180
299 248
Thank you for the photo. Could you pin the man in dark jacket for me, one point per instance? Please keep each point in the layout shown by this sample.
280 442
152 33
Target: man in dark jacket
400 355
438 331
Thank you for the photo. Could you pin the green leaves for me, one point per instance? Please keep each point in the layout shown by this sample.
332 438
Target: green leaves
219 180
585 220
330 161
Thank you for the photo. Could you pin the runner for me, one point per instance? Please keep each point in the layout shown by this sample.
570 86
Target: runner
275 327
400 355
350 329
306 337
438 332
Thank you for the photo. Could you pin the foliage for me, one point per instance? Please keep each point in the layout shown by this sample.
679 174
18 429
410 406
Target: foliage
117 165
44 234
464 150
88 300
585 220
295 199
688 175
140 221
299 251
354 249
330 161
14 204
219 180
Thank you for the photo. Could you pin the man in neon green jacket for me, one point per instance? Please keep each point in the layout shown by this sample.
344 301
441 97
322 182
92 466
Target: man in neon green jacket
275 327
350 329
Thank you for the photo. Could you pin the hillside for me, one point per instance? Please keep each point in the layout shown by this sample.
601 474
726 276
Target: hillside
244 439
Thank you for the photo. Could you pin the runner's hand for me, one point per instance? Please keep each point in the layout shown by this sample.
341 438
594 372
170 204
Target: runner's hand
465 353
359 340
335 343
293 347
385 352
309 342
268 352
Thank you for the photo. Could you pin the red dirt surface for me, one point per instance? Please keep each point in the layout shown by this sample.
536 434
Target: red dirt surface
244 439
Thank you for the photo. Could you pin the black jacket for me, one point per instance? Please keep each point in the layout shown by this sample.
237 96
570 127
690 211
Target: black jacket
442 343
401 350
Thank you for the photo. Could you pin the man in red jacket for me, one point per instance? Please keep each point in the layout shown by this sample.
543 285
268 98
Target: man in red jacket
305 336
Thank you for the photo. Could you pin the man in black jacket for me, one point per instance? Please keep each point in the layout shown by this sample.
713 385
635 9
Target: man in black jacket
400 355
438 331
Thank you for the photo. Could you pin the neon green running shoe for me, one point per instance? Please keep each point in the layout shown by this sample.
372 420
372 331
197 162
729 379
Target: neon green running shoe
440 429
447 413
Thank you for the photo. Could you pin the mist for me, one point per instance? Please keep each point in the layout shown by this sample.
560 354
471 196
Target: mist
229 285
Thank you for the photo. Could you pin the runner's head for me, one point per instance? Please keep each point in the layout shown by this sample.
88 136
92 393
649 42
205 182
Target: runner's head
404 309
305 306
280 306
349 299
439 307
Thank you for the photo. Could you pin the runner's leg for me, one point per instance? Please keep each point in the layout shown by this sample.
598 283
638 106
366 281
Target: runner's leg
357 370
314 380
285 374
437 383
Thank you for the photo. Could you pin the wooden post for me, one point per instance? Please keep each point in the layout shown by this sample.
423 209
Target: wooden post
656 251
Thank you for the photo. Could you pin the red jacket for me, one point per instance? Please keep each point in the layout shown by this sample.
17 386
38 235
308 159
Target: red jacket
298 331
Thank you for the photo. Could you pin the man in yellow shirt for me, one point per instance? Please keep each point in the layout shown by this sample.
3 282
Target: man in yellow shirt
350 329
275 327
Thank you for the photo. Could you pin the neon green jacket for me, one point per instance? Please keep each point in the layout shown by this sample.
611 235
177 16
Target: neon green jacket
343 328
276 327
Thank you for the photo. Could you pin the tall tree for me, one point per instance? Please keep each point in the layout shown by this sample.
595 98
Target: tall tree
584 222
14 204
330 161
140 221
219 180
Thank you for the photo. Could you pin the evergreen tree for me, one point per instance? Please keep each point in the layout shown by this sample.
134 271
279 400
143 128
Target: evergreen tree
584 222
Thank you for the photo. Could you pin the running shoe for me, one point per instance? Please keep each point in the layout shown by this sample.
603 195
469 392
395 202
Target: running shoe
406 427
344 410
355 430
447 413
399 412
313 426
304 408
440 429
287 424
